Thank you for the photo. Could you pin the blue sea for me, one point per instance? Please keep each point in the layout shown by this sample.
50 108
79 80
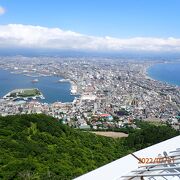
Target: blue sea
167 72
52 90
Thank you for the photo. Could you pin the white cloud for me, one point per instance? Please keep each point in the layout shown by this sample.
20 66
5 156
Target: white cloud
2 10
26 36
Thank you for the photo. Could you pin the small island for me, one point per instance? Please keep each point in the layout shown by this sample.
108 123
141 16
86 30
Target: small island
24 94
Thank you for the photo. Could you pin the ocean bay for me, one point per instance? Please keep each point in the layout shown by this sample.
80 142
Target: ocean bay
166 72
52 90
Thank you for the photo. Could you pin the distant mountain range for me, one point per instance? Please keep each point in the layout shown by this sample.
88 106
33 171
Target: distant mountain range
70 53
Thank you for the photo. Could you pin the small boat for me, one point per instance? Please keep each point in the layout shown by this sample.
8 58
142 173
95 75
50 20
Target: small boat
35 80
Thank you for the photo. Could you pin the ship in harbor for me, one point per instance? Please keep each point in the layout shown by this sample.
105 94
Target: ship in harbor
35 81
64 80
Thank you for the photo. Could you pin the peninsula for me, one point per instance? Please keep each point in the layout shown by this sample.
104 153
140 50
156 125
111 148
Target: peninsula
24 94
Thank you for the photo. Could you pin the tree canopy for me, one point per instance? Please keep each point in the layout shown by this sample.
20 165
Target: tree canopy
40 147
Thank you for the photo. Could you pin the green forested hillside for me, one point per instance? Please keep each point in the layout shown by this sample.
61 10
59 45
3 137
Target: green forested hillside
40 147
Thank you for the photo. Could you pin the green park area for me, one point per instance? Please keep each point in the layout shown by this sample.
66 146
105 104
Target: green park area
25 93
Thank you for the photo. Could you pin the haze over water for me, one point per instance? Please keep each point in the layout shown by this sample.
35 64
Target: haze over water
52 90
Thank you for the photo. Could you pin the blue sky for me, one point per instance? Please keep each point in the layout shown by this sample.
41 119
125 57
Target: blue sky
116 18
91 25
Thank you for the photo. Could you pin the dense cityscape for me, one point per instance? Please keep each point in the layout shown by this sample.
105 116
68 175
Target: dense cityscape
111 92
89 90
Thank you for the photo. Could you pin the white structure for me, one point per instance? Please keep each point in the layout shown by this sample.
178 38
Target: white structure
129 168
88 97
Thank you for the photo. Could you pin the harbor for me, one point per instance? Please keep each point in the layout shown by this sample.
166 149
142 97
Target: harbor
51 90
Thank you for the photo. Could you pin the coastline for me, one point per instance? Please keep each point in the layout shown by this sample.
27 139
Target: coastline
147 74
74 88
66 96
25 97
146 71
